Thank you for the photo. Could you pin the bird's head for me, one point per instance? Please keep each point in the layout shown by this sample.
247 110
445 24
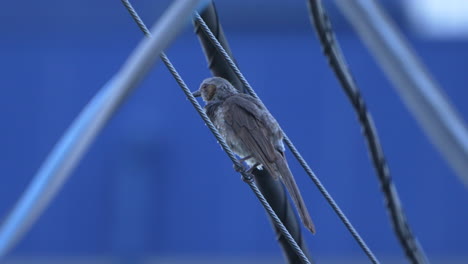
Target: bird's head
215 88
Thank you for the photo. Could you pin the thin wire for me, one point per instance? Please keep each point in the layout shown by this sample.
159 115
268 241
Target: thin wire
291 146
247 177
337 62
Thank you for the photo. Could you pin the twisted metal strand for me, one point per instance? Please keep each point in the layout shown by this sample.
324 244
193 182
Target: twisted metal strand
332 51
291 146
247 177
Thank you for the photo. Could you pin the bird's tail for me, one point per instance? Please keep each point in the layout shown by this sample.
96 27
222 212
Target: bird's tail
291 186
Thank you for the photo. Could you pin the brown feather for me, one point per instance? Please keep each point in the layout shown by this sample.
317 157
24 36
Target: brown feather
288 180
242 116
251 131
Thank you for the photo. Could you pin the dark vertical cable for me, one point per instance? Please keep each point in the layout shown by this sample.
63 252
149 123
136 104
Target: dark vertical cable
271 189
336 60
293 149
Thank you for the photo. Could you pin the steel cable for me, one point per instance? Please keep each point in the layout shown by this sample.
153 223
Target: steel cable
247 177
291 146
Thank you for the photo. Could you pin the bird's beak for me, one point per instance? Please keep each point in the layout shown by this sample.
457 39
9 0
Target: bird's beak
197 93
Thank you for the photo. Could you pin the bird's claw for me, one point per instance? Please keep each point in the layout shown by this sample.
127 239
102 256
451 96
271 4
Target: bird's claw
246 175
239 168
249 171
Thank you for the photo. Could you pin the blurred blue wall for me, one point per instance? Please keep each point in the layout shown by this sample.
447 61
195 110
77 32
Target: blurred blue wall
156 182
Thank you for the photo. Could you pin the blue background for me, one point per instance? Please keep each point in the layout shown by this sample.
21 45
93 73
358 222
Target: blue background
155 183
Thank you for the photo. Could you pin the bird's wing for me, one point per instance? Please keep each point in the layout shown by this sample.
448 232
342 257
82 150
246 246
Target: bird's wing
245 118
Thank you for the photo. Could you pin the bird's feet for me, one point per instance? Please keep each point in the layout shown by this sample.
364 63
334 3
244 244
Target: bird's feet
245 158
252 168
246 174
239 167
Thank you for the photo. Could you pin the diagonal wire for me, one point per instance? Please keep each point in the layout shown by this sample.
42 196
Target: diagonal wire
335 57
247 177
271 189
291 146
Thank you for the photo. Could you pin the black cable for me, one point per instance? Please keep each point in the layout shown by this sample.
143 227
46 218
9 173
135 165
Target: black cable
293 149
247 177
332 51
271 189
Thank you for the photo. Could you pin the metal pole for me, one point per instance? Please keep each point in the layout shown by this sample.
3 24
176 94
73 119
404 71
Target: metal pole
71 147
424 98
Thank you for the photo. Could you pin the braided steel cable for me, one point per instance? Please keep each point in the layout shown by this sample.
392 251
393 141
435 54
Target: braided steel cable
332 51
247 177
291 146
273 190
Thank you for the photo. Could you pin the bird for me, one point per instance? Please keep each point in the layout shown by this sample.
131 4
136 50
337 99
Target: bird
252 133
